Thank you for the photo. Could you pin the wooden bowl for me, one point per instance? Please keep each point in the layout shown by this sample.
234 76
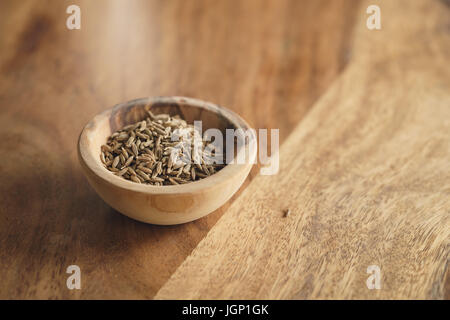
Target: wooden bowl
164 205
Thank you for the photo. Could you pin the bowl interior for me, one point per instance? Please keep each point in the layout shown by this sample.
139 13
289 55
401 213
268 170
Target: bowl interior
211 115
134 111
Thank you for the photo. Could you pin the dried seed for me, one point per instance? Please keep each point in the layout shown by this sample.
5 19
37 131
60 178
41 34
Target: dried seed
135 179
160 131
148 132
117 145
187 169
135 149
131 171
146 170
129 160
115 162
157 151
143 126
205 170
159 167
122 172
128 127
102 157
106 148
129 142
122 136
157 125
156 179
142 174
163 117
179 180
142 135
201 175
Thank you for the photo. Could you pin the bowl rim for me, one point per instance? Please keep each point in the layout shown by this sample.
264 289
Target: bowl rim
89 161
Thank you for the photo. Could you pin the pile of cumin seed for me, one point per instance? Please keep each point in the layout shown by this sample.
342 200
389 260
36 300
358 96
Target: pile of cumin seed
159 150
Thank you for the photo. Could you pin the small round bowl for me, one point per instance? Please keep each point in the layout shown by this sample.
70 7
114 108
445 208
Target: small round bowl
164 205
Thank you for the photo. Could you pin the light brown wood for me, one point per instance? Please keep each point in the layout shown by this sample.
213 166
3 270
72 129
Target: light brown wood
266 60
166 205
365 175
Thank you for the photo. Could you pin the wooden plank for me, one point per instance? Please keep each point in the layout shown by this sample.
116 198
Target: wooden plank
267 60
366 176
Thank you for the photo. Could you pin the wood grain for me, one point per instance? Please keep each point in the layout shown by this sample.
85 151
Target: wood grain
267 60
365 174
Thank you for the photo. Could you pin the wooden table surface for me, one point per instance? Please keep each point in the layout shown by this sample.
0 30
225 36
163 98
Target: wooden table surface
364 120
